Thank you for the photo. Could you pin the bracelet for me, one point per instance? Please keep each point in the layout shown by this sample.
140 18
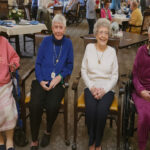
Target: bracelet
61 78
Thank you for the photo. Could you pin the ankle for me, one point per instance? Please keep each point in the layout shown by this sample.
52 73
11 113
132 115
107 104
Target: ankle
34 143
47 133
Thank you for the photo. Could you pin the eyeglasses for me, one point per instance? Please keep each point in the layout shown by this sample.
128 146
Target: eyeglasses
102 32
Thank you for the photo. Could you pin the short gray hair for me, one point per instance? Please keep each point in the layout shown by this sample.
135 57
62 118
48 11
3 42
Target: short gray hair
101 22
59 18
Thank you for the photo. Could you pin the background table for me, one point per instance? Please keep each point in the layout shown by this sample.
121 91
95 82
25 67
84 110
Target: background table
17 30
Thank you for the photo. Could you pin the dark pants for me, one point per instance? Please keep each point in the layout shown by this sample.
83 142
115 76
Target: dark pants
34 12
91 23
50 100
96 115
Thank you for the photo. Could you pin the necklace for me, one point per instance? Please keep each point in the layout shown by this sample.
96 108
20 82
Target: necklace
57 57
99 58
55 61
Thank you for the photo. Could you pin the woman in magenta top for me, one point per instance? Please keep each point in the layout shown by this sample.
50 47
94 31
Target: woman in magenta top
105 12
141 93
9 61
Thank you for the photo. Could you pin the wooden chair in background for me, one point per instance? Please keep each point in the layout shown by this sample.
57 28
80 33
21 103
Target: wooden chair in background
79 104
25 98
145 24
27 16
3 9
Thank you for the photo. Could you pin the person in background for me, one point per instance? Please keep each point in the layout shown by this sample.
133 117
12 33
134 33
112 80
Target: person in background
91 14
141 92
72 5
43 14
105 12
34 8
9 62
136 17
54 62
100 75
115 5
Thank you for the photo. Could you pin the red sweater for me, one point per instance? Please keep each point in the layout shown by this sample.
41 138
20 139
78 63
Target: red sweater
7 56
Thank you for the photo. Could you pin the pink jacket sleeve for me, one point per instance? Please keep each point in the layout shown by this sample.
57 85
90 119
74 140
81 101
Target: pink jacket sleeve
13 57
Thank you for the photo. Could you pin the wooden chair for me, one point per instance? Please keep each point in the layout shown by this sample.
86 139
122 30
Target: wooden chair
25 98
74 16
79 105
27 16
3 9
145 23
57 10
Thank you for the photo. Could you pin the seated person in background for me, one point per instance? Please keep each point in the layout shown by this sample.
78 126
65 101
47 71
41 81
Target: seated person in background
9 61
105 12
136 17
43 14
72 5
141 93
12 3
115 5
100 76
54 62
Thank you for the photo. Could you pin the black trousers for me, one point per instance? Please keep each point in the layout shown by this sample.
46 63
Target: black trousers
96 115
50 100
91 23
34 12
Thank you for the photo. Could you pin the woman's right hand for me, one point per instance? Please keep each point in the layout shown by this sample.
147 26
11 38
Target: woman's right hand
44 86
145 94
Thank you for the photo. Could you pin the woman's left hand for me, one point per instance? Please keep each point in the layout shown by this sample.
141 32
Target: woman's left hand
12 67
54 82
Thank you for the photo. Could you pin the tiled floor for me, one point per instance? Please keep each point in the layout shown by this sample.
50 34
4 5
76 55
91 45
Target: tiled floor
125 59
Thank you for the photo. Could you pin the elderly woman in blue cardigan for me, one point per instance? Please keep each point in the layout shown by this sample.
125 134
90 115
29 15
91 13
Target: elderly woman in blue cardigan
54 62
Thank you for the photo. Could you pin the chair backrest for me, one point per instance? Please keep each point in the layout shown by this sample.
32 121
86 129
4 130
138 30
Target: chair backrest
27 12
57 10
146 21
90 38
3 9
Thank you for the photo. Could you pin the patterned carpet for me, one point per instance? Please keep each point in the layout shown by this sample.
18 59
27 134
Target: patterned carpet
125 59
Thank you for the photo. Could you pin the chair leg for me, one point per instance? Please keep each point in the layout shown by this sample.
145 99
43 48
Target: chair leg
24 43
118 131
74 146
66 124
34 46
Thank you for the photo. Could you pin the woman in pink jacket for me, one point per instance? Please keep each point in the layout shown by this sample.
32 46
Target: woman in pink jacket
9 61
105 12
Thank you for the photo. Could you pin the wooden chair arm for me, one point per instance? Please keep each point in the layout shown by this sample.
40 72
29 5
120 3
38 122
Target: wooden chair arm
66 81
76 82
130 26
27 74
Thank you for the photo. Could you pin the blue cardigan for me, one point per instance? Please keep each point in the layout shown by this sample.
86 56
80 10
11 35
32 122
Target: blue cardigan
46 59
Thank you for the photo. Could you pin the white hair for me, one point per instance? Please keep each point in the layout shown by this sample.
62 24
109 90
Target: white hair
59 18
102 22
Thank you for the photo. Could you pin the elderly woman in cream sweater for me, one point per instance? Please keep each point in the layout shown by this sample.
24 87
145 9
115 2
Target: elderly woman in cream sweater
100 74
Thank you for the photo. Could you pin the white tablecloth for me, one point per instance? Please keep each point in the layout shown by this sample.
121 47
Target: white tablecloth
120 18
23 29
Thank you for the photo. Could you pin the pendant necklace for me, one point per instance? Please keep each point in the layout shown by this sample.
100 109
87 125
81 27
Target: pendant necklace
99 59
55 61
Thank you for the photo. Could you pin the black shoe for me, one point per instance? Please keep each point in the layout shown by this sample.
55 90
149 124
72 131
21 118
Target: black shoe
11 148
34 148
2 147
45 140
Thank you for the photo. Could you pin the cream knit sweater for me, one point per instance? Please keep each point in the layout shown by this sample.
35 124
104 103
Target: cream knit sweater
103 74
